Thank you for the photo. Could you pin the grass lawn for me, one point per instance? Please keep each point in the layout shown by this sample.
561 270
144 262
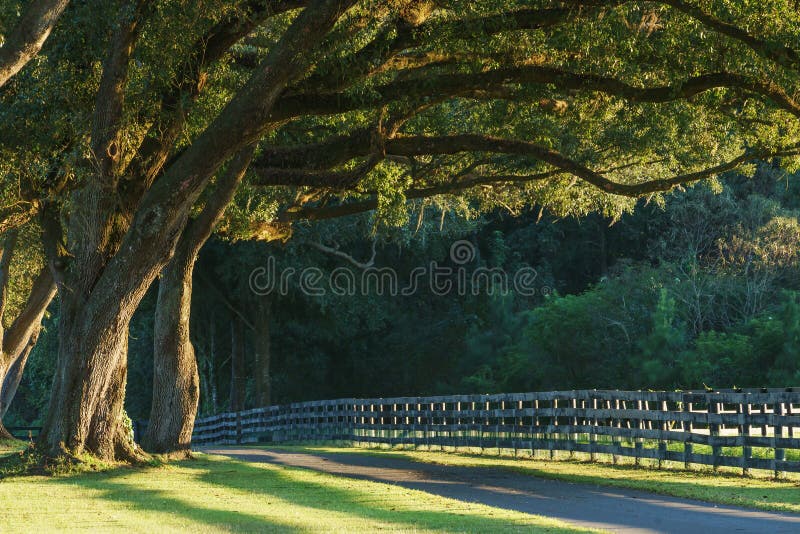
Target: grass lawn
218 494
730 489
9 446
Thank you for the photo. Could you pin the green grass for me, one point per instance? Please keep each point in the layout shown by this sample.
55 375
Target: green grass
8 446
213 494
761 493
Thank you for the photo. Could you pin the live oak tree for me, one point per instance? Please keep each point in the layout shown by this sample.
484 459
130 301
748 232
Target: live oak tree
115 139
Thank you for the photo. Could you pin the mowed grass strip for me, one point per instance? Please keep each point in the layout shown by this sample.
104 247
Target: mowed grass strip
213 494
704 485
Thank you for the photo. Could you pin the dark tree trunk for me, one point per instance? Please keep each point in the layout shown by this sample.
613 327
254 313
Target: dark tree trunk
263 354
237 366
176 380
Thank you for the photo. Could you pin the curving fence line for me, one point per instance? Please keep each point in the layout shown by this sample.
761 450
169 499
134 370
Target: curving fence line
749 429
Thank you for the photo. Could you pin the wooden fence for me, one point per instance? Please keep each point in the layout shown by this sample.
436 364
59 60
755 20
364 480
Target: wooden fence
750 429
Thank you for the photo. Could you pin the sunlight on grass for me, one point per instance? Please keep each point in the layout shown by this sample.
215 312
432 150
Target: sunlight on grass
719 488
217 494
9 446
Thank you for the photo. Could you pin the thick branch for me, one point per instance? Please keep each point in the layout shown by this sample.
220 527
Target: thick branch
399 36
28 36
199 230
27 323
453 85
319 213
111 93
417 146
13 217
9 245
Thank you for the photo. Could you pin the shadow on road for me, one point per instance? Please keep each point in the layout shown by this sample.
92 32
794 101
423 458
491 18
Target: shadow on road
585 505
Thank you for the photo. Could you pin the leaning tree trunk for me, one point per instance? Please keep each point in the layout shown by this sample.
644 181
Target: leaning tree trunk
97 302
10 378
176 381
17 342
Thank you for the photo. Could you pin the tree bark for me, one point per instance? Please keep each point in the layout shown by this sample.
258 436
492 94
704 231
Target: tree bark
28 36
176 380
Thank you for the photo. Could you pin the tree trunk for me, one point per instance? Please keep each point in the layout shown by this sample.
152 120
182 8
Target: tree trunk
237 366
176 380
86 406
263 354
4 433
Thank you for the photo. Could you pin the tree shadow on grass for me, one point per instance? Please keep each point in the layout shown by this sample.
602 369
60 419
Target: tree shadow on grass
279 482
274 483
162 501
592 504
783 499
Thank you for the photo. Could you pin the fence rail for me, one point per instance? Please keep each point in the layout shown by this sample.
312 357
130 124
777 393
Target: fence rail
749 429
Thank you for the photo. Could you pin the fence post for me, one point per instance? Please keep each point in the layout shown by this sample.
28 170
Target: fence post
688 427
238 428
713 428
638 442
780 454
744 430
593 432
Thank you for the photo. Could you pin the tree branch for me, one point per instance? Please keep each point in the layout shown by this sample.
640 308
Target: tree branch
9 245
779 53
28 36
176 101
453 85
111 93
334 251
199 230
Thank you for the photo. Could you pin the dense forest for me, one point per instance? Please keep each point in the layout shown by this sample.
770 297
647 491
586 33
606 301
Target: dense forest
701 291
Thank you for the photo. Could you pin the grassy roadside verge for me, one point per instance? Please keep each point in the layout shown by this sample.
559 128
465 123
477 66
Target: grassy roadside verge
213 494
732 489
